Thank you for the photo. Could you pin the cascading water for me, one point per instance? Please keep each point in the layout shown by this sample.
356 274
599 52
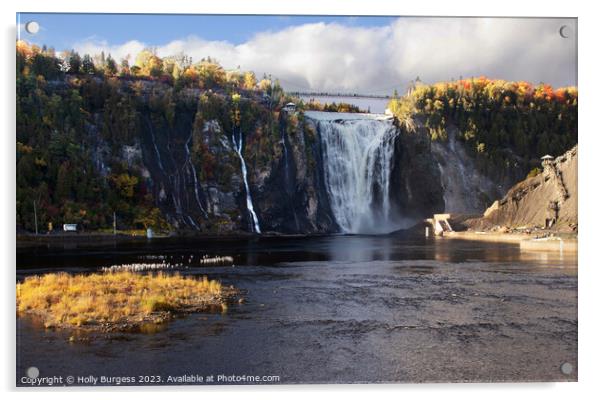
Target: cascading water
158 154
196 182
243 166
357 150
174 177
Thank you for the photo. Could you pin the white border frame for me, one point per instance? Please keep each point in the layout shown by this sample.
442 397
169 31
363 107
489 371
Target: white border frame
589 138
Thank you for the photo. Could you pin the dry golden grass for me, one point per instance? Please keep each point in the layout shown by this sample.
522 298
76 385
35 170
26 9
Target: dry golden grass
109 299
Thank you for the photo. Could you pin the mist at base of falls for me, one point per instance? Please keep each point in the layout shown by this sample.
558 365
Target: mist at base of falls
357 152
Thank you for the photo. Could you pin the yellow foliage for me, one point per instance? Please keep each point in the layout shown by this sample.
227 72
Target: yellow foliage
62 299
125 183
265 85
249 80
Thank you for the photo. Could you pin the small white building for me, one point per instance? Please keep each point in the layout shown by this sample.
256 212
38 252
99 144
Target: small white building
289 107
547 159
70 227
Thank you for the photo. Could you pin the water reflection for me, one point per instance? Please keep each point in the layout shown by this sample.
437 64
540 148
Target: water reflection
336 309
278 250
360 248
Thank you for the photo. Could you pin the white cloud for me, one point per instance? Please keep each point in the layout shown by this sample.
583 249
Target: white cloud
127 49
374 60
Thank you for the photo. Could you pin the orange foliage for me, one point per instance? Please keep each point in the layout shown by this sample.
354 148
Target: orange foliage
500 89
24 48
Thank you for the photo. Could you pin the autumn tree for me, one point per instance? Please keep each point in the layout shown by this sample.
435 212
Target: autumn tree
110 66
125 184
250 82
125 67
149 63
210 74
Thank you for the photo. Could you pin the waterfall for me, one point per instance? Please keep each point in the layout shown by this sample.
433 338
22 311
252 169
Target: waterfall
196 182
285 150
243 166
357 151
152 132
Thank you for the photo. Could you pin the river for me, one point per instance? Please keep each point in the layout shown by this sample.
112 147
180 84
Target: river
333 309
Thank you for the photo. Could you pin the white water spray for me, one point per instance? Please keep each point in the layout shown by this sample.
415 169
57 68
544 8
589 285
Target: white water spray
243 166
357 150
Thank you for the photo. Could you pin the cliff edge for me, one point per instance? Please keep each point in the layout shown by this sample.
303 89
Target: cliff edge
547 200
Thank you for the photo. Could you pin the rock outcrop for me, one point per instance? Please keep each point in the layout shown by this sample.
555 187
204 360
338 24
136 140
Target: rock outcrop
418 191
466 189
548 200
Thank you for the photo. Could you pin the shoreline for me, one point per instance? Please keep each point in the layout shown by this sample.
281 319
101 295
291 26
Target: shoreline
525 241
29 240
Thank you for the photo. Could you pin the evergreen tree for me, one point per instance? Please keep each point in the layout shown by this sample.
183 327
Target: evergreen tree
125 67
110 66
88 65
75 62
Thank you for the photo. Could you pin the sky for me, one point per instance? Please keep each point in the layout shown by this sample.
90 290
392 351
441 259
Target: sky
372 55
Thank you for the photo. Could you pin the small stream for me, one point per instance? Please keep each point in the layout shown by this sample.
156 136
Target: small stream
238 147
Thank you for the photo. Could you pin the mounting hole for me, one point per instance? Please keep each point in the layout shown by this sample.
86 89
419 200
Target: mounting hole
566 368
32 27
33 372
565 31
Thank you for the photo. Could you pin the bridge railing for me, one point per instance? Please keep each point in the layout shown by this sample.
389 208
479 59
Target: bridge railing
327 94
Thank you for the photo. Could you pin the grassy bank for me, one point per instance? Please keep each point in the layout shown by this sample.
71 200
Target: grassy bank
116 301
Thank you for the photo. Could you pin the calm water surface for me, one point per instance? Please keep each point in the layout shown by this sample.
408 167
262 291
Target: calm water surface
335 309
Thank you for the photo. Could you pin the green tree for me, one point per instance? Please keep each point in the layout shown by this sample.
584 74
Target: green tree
75 62
110 66
64 181
125 67
88 67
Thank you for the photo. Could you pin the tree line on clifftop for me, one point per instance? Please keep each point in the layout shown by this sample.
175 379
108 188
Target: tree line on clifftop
76 115
498 121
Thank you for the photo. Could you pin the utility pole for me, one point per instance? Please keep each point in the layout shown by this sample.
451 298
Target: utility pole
114 224
35 216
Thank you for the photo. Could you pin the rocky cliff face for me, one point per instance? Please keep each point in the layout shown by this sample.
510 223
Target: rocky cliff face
417 181
292 198
286 189
465 188
213 162
196 177
546 200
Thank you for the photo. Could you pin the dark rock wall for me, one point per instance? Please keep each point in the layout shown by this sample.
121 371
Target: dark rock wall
293 198
288 192
415 179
